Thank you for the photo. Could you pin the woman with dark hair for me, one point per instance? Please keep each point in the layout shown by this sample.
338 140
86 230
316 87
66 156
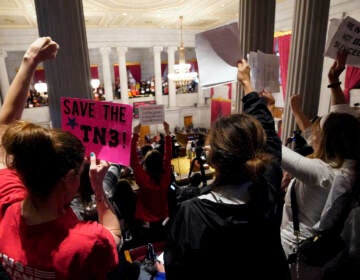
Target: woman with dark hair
232 232
153 176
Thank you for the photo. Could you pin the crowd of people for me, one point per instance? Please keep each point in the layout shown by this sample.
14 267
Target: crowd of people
68 215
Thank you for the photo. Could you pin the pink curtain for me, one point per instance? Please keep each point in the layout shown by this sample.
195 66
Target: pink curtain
352 78
284 50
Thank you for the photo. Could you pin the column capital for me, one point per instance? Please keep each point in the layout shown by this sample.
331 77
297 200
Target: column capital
121 50
171 49
3 53
157 49
105 51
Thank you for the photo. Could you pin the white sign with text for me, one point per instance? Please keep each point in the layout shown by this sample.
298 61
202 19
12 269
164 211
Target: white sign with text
346 37
151 114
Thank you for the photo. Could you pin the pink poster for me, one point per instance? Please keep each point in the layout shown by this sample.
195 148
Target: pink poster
103 127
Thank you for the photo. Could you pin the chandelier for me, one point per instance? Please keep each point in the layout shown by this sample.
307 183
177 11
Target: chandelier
182 75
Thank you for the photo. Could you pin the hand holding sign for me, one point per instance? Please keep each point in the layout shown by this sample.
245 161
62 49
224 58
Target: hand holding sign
338 67
98 169
344 36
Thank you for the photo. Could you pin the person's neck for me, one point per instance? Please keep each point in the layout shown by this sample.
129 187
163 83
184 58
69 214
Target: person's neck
38 211
234 190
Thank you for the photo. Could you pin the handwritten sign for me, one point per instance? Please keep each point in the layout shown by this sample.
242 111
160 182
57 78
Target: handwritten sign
103 127
347 37
264 71
151 114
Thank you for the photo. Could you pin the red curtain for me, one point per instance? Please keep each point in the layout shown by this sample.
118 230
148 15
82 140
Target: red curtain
39 75
284 50
352 78
94 71
134 68
164 66
194 65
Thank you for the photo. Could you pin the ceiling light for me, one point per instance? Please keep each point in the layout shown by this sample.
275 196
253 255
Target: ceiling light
95 83
182 75
41 87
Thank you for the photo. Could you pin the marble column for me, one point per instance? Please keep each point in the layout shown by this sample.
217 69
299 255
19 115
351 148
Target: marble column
109 92
201 100
172 87
256 26
68 74
306 58
123 74
157 71
4 79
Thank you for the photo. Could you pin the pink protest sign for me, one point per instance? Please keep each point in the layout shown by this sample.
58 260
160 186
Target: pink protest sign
103 127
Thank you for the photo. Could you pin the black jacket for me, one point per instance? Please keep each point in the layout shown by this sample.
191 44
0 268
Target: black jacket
209 240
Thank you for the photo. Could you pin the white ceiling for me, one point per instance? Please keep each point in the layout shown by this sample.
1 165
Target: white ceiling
198 14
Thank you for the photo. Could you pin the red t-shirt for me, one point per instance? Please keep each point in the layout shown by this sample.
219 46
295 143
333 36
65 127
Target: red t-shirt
152 198
64 248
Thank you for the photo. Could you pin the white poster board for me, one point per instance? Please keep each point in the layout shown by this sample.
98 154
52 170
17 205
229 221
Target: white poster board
264 71
151 114
217 53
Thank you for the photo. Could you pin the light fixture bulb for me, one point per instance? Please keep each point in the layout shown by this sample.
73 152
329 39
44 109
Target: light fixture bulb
182 75
41 87
95 83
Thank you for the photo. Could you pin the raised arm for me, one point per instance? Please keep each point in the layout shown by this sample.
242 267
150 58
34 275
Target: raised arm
257 106
134 157
106 216
167 148
243 76
300 118
40 50
337 94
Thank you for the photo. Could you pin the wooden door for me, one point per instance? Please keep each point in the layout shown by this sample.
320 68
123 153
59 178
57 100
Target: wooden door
188 123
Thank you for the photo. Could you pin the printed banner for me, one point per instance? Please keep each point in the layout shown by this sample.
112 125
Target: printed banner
103 127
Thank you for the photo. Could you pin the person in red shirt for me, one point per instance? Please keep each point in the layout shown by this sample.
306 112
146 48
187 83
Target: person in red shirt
40 168
153 176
